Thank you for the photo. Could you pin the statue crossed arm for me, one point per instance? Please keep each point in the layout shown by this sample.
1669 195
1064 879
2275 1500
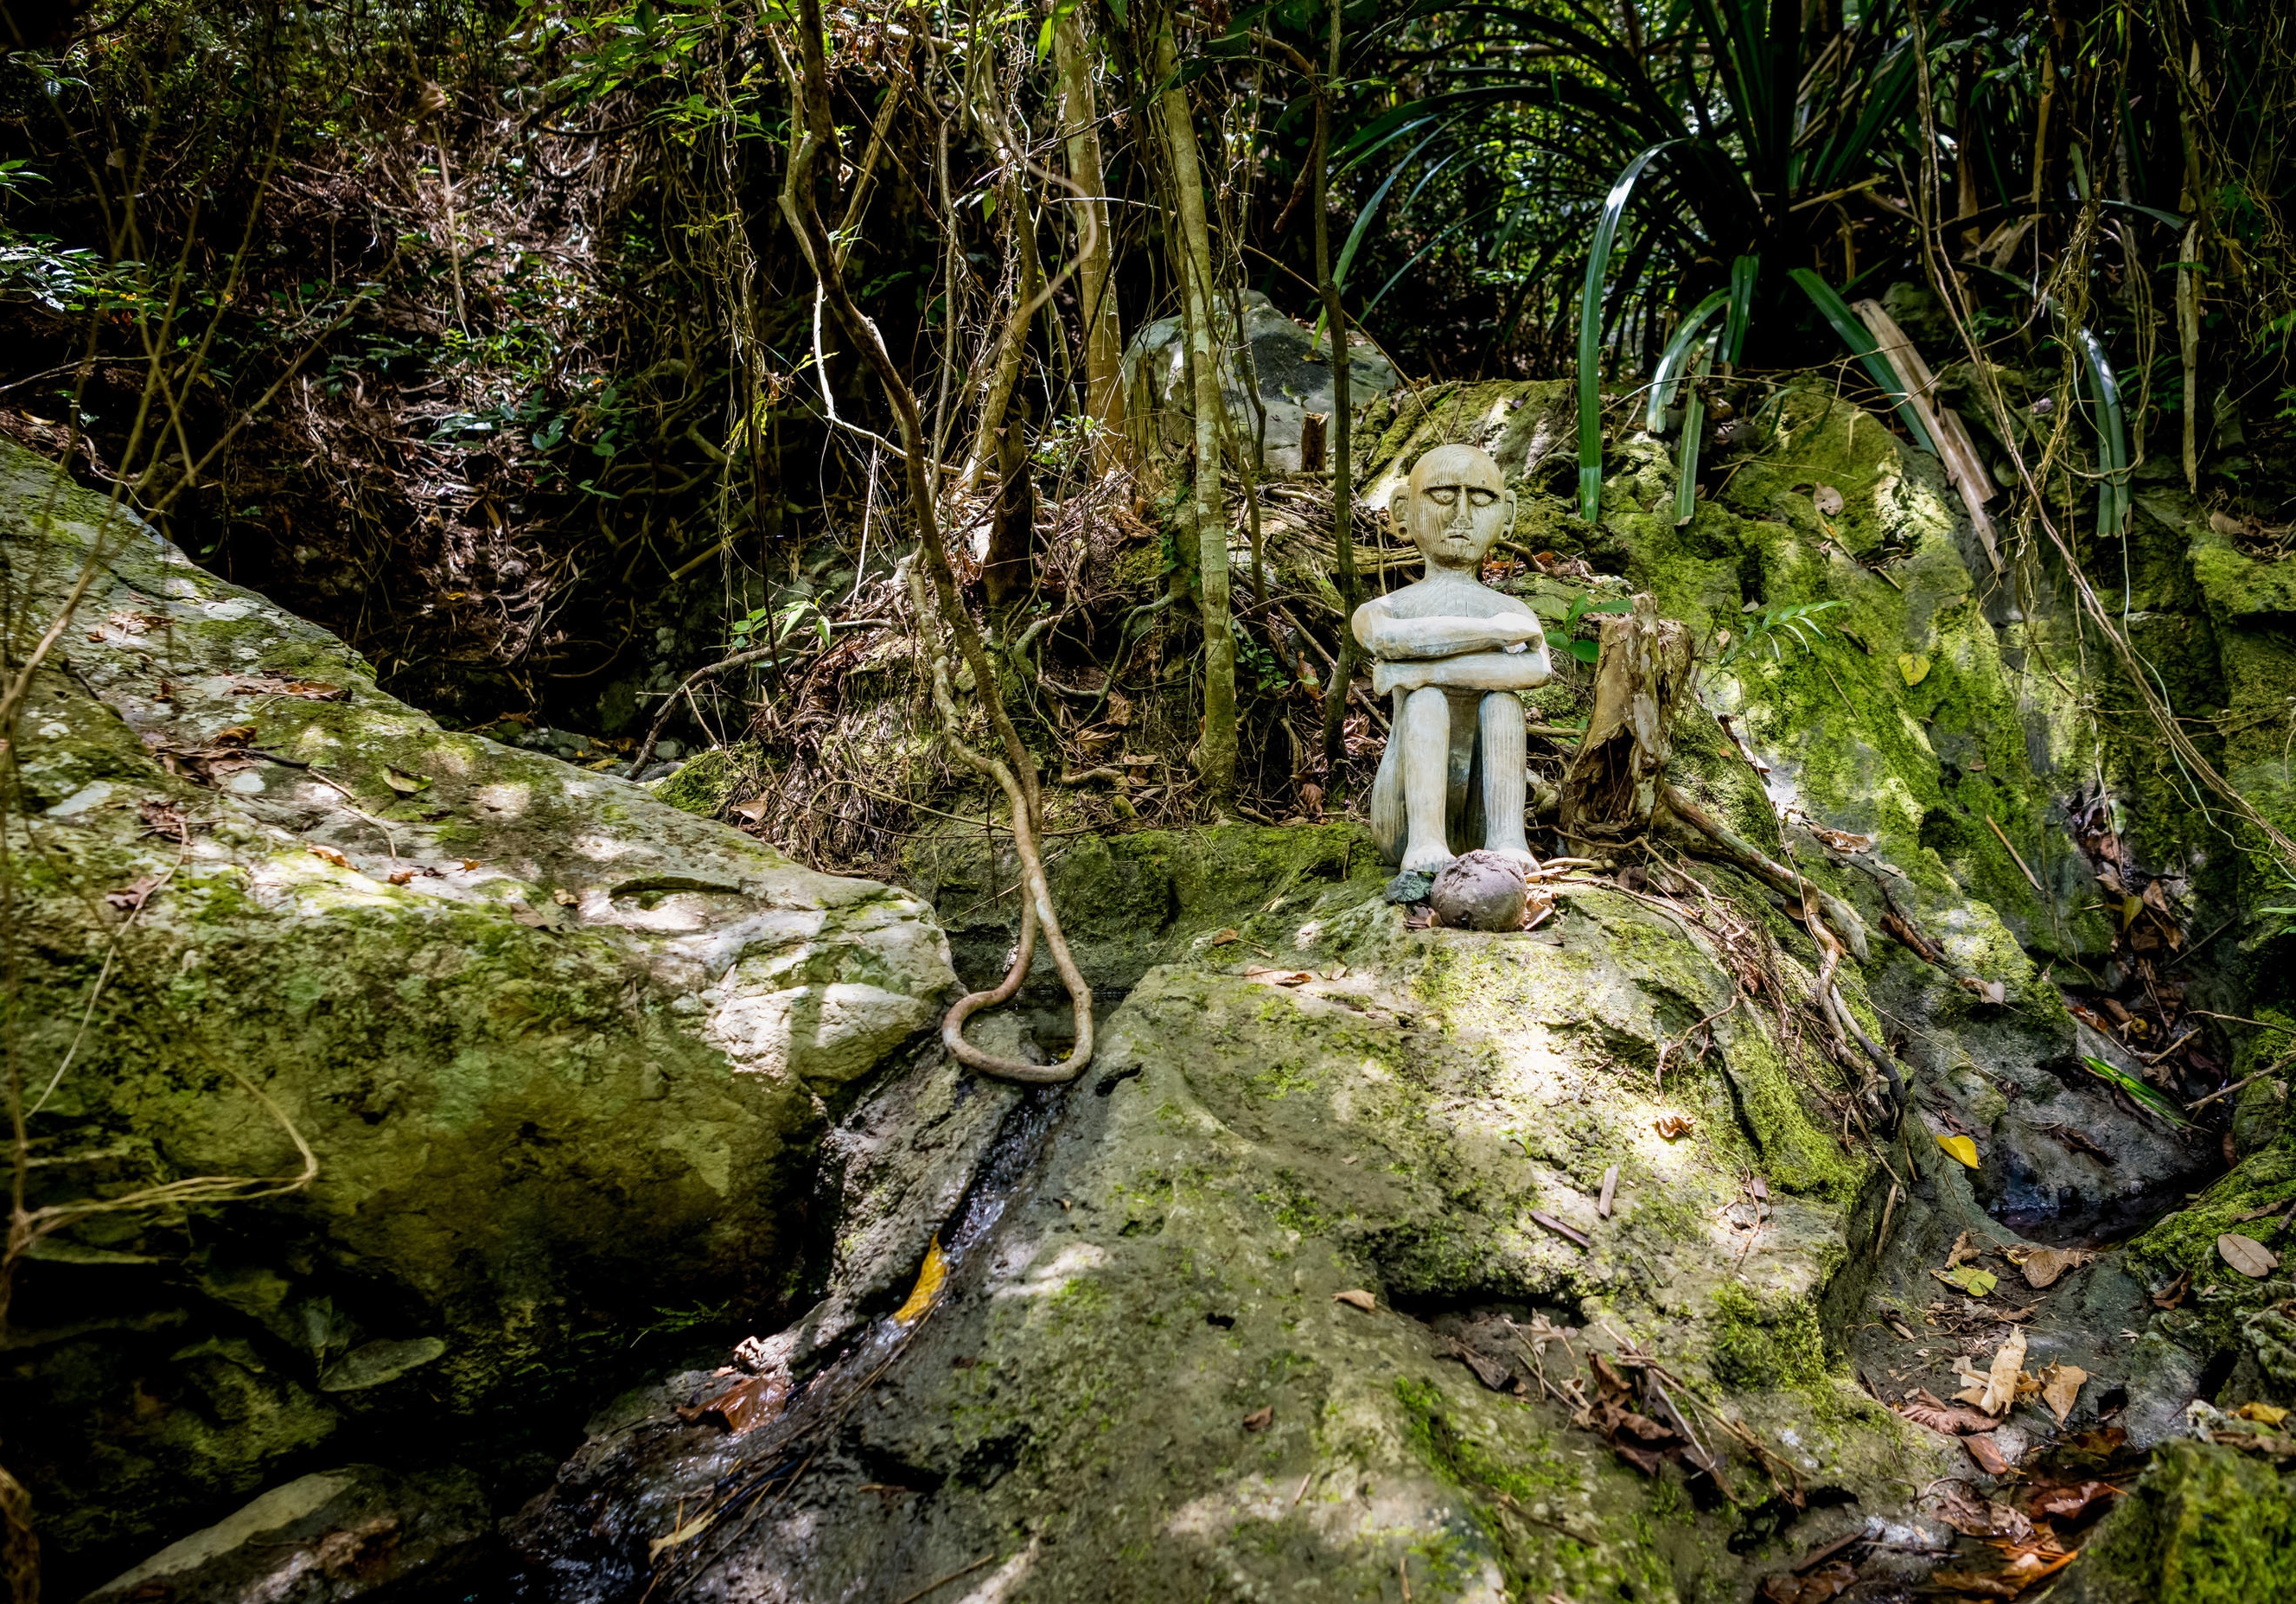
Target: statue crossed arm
1452 652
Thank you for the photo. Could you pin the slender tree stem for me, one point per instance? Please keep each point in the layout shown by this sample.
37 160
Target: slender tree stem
1343 542
1216 747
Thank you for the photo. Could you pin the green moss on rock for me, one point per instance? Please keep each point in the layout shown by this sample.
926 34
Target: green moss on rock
2205 1525
1763 1343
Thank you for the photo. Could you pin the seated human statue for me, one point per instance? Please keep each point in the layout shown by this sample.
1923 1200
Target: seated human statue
1452 652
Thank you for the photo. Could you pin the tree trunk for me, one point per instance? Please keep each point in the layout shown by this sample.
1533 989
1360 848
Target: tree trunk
1010 567
1335 317
1215 748
1014 345
1104 341
1614 782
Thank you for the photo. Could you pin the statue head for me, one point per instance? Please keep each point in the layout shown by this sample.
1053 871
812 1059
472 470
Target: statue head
1457 503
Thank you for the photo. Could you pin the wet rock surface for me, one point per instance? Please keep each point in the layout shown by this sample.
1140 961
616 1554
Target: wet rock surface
359 1532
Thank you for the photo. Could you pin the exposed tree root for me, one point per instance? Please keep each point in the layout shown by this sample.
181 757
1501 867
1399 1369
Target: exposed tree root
812 136
1036 895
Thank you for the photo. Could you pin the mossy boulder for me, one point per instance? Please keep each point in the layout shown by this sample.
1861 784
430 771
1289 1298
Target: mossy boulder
2207 1524
432 1070
1376 1110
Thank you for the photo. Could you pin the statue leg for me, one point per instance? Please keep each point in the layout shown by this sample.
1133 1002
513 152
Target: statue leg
1425 731
1502 727
1387 826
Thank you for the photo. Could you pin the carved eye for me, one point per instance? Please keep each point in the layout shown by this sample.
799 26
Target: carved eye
1481 498
1443 495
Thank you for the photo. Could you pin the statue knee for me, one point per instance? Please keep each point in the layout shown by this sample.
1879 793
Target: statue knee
1427 708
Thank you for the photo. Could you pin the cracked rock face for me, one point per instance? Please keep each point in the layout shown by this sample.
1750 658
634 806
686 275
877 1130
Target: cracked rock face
556 1050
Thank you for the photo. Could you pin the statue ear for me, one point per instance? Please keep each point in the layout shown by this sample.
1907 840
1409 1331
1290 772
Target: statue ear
1513 502
1399 510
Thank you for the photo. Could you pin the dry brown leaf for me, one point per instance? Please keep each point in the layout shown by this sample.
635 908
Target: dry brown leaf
1988 1455
2061 1384
1963 1249
331 856
1672 1126
1842 841
402 876
1925 1408
469 864
2248 1255
1224 937
1355 1298
2044 1266
564 897
1825 1582
2071 1503
133 895
1279 977
1979 1517
1260 1418
748 1404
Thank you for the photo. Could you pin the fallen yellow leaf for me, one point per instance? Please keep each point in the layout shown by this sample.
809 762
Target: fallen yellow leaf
686 1533
1914 666
933 1275
2263 1414
2001 1378
2061 1384
1962 1148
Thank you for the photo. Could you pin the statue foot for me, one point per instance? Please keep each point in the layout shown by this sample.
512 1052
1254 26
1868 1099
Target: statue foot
1520 856
1424 859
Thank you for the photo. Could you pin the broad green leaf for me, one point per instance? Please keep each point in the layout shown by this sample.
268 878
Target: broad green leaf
1590 332
1666 377
1860 341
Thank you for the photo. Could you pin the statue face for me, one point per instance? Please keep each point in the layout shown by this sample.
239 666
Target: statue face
1458 504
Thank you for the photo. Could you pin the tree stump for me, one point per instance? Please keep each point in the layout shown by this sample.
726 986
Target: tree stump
1614 782
1314 430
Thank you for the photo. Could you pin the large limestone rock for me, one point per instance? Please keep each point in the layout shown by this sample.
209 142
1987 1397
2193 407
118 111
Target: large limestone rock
1141 1366
1291 363
503 1062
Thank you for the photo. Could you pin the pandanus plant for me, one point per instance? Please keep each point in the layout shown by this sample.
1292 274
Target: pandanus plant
1737 131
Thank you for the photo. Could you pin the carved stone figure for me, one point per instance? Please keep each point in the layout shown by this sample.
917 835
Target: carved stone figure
1452 652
